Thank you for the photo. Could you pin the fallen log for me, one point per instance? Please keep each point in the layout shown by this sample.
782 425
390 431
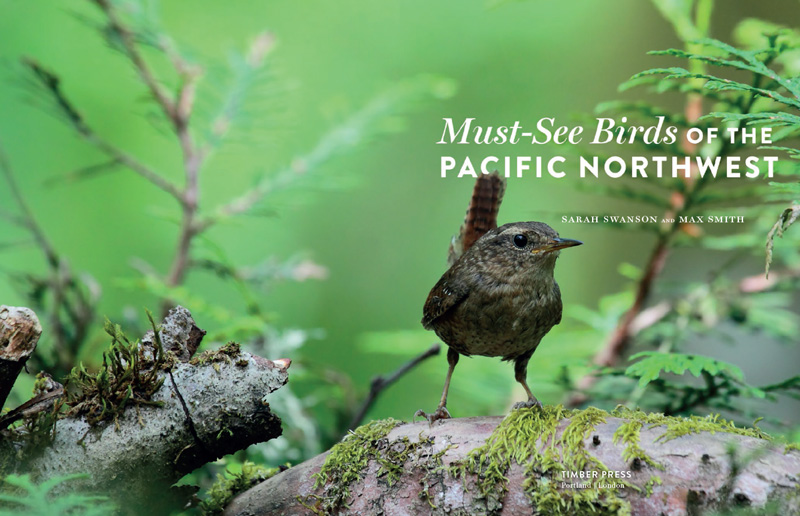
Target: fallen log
200 409
548 461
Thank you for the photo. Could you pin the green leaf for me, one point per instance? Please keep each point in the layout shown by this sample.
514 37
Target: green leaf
716 83
37 499
653 363
787 218
766 118
786 188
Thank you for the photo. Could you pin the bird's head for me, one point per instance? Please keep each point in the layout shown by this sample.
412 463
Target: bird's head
520 247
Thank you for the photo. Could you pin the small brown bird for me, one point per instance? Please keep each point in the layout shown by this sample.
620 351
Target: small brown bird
499 298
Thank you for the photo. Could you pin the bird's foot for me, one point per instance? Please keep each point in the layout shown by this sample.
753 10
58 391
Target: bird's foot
440 413
527 404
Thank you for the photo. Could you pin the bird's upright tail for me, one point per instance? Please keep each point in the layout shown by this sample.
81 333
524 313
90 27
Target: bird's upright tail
481 214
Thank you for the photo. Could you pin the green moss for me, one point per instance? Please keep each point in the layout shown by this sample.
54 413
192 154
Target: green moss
42 383
648 486
129 376
680 426
791 447
348 459
531 438
227 353
228 486
628 434
543 441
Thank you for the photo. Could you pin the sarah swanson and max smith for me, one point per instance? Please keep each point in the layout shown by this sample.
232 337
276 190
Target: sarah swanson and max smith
651 219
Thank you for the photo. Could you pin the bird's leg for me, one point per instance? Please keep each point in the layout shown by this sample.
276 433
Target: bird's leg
441 411
452 360
521 375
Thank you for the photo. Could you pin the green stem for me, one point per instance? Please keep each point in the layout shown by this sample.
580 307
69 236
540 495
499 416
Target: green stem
703 17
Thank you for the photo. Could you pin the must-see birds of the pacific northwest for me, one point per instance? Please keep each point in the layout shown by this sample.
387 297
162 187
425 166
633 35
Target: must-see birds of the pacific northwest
499 297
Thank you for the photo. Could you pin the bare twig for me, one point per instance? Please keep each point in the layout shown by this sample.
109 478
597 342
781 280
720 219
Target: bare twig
135 165
380 383
27 219
43 402
51 83
128 40
67 298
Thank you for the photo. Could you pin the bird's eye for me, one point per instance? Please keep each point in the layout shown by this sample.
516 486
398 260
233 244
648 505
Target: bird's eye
520 241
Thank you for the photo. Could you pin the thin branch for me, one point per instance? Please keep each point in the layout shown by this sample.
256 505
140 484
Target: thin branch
27 219
51 83
333 142
135 165
178 110
128 40
618 342
59 280
380 383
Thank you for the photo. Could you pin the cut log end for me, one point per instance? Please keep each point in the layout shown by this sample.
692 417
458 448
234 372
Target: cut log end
19 332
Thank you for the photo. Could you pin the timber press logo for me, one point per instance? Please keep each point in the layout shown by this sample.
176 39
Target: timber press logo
593 479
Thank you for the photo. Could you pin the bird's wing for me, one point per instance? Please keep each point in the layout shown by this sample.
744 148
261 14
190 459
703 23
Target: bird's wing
444 296
559 307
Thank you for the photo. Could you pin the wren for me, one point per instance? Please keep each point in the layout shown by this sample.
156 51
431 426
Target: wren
498 299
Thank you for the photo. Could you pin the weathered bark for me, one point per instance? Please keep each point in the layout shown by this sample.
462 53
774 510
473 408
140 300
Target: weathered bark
212 406
19 333
696 475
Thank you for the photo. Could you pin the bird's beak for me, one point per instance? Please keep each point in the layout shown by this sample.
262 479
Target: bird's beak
558 243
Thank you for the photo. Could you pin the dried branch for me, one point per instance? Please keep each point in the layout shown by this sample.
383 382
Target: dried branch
381 383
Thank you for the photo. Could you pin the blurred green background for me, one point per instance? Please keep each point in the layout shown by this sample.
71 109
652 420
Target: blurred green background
383 232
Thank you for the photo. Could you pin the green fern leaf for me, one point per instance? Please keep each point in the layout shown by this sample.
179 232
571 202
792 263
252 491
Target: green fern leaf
653 363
